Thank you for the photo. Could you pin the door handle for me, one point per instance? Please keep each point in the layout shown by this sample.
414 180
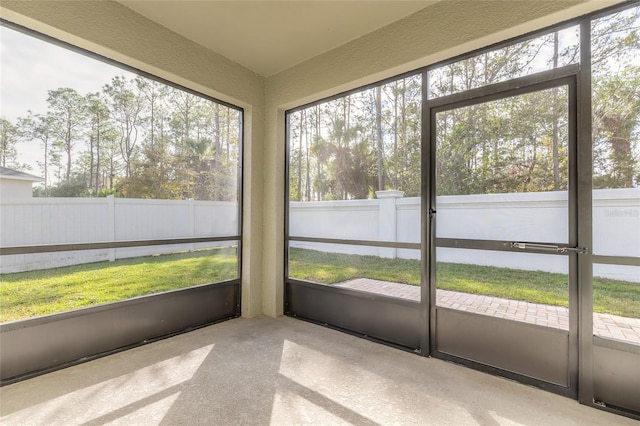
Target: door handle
549 247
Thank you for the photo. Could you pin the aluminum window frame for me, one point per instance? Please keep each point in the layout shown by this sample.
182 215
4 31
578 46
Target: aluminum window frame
585 339
287 237
237 237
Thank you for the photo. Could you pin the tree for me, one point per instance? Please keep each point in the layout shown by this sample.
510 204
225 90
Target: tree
100 133
126 108
154 95
155 174
378 137
182 117
616 117
9 137
68 110
41 127
75 186
349 147
616 100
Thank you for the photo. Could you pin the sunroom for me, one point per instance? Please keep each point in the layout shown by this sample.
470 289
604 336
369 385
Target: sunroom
455 182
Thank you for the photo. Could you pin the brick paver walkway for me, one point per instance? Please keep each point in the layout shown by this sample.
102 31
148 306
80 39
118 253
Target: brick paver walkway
605 325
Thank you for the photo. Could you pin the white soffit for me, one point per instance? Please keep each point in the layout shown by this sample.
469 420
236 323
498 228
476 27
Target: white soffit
270 36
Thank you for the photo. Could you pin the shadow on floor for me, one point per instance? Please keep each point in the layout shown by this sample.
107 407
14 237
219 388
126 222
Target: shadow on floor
280 371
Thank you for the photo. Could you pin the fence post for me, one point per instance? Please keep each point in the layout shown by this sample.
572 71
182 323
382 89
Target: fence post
387 220
192 222
111 223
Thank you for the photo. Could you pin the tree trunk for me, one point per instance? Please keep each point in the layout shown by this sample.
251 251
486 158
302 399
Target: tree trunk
68 173
299 197
403 109
307 183
317 125
378 106
216 161
554 140
98 158
395 134
153 111
91 161
46 166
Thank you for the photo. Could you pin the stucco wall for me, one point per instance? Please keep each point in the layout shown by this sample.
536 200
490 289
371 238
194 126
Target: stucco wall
114 31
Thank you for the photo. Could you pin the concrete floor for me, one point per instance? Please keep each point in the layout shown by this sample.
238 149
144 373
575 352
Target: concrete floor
281 372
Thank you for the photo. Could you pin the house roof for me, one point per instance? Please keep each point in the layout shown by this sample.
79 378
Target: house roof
7 173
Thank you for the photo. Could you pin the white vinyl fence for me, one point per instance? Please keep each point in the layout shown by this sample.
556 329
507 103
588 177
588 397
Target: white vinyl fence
40 221
523 217
539 217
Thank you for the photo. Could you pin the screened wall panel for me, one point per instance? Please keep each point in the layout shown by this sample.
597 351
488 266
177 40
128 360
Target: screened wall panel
354 184
120 209
616 175
533 55
354 212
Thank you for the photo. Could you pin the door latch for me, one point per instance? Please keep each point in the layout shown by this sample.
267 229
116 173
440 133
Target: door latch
549 247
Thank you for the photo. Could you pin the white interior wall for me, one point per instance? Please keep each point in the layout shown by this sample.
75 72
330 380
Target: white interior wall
444 30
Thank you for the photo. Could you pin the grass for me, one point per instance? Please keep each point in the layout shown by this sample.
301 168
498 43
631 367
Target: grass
610 296
29 294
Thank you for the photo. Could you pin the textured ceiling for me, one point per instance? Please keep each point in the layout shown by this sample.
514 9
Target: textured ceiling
271 36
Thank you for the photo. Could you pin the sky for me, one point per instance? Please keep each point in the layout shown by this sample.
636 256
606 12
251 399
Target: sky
30 67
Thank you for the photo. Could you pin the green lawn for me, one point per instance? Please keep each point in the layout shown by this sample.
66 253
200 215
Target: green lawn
29 294
610 296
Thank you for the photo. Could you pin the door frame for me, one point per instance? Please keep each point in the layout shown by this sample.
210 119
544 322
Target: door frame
567 76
